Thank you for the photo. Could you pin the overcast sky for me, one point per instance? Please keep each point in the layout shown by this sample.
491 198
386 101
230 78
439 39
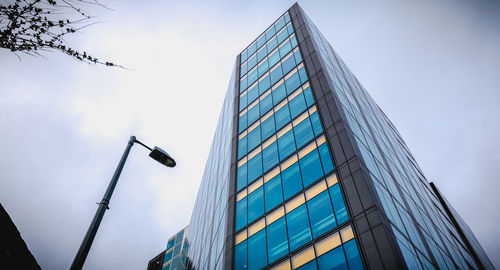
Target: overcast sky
432 66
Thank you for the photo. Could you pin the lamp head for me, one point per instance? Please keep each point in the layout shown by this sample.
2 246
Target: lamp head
162 156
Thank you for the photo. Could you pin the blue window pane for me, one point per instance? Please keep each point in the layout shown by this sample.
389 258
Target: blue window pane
263 67
261 54
316 123
244 56
297 105
273 192
279 93
299 232
261 41
252 77
257 255
243 122
277 242
171 244
288 27
253 114
321 214
241 177
254 167
298 56
252 62
286 48
326 159
241 214
243 102
276 74
244 69
292 83
291 181
309 266
266 104
274 58
332 260
338 204
288 64
287 18
293 41
254 138
352 254
168 256
253 93
282 36
270 156
303 133
264 84
243 84
309 96
272 44
242 147
267 127
282 117
270 33
255 204
286 145
279 24
310 167
252 49
240 256
303 75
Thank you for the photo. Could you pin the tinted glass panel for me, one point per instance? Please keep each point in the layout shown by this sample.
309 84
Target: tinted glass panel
282 117
352 254
297 105
277 240
286 145
303 133
257 255
241 214
270 156
332 260
273 192
255 204
241 177
310 166
267 127
321 214
254 167
240 256
299 232
291 181
338 204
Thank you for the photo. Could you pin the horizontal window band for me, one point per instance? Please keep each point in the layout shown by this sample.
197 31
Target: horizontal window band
292 159
312 251
292 203
272 110
265 44
270 69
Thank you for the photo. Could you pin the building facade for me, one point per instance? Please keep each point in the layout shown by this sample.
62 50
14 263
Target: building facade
174 257
305 171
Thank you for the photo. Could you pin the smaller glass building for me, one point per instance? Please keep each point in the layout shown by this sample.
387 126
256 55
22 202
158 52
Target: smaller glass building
175 254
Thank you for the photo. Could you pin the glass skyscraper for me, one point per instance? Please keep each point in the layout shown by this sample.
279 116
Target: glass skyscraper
305 171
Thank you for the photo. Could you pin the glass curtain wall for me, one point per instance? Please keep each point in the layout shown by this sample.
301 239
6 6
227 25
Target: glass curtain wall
289 211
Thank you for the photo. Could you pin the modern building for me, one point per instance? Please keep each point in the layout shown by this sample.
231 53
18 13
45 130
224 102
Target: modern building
157 262
306 171
176 251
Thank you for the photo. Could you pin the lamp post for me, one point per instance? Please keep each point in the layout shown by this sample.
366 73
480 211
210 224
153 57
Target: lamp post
157 154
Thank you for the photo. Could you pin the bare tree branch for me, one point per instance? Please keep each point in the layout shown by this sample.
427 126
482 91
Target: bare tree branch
34 26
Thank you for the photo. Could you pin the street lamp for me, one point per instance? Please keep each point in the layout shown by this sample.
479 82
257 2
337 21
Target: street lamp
157 154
